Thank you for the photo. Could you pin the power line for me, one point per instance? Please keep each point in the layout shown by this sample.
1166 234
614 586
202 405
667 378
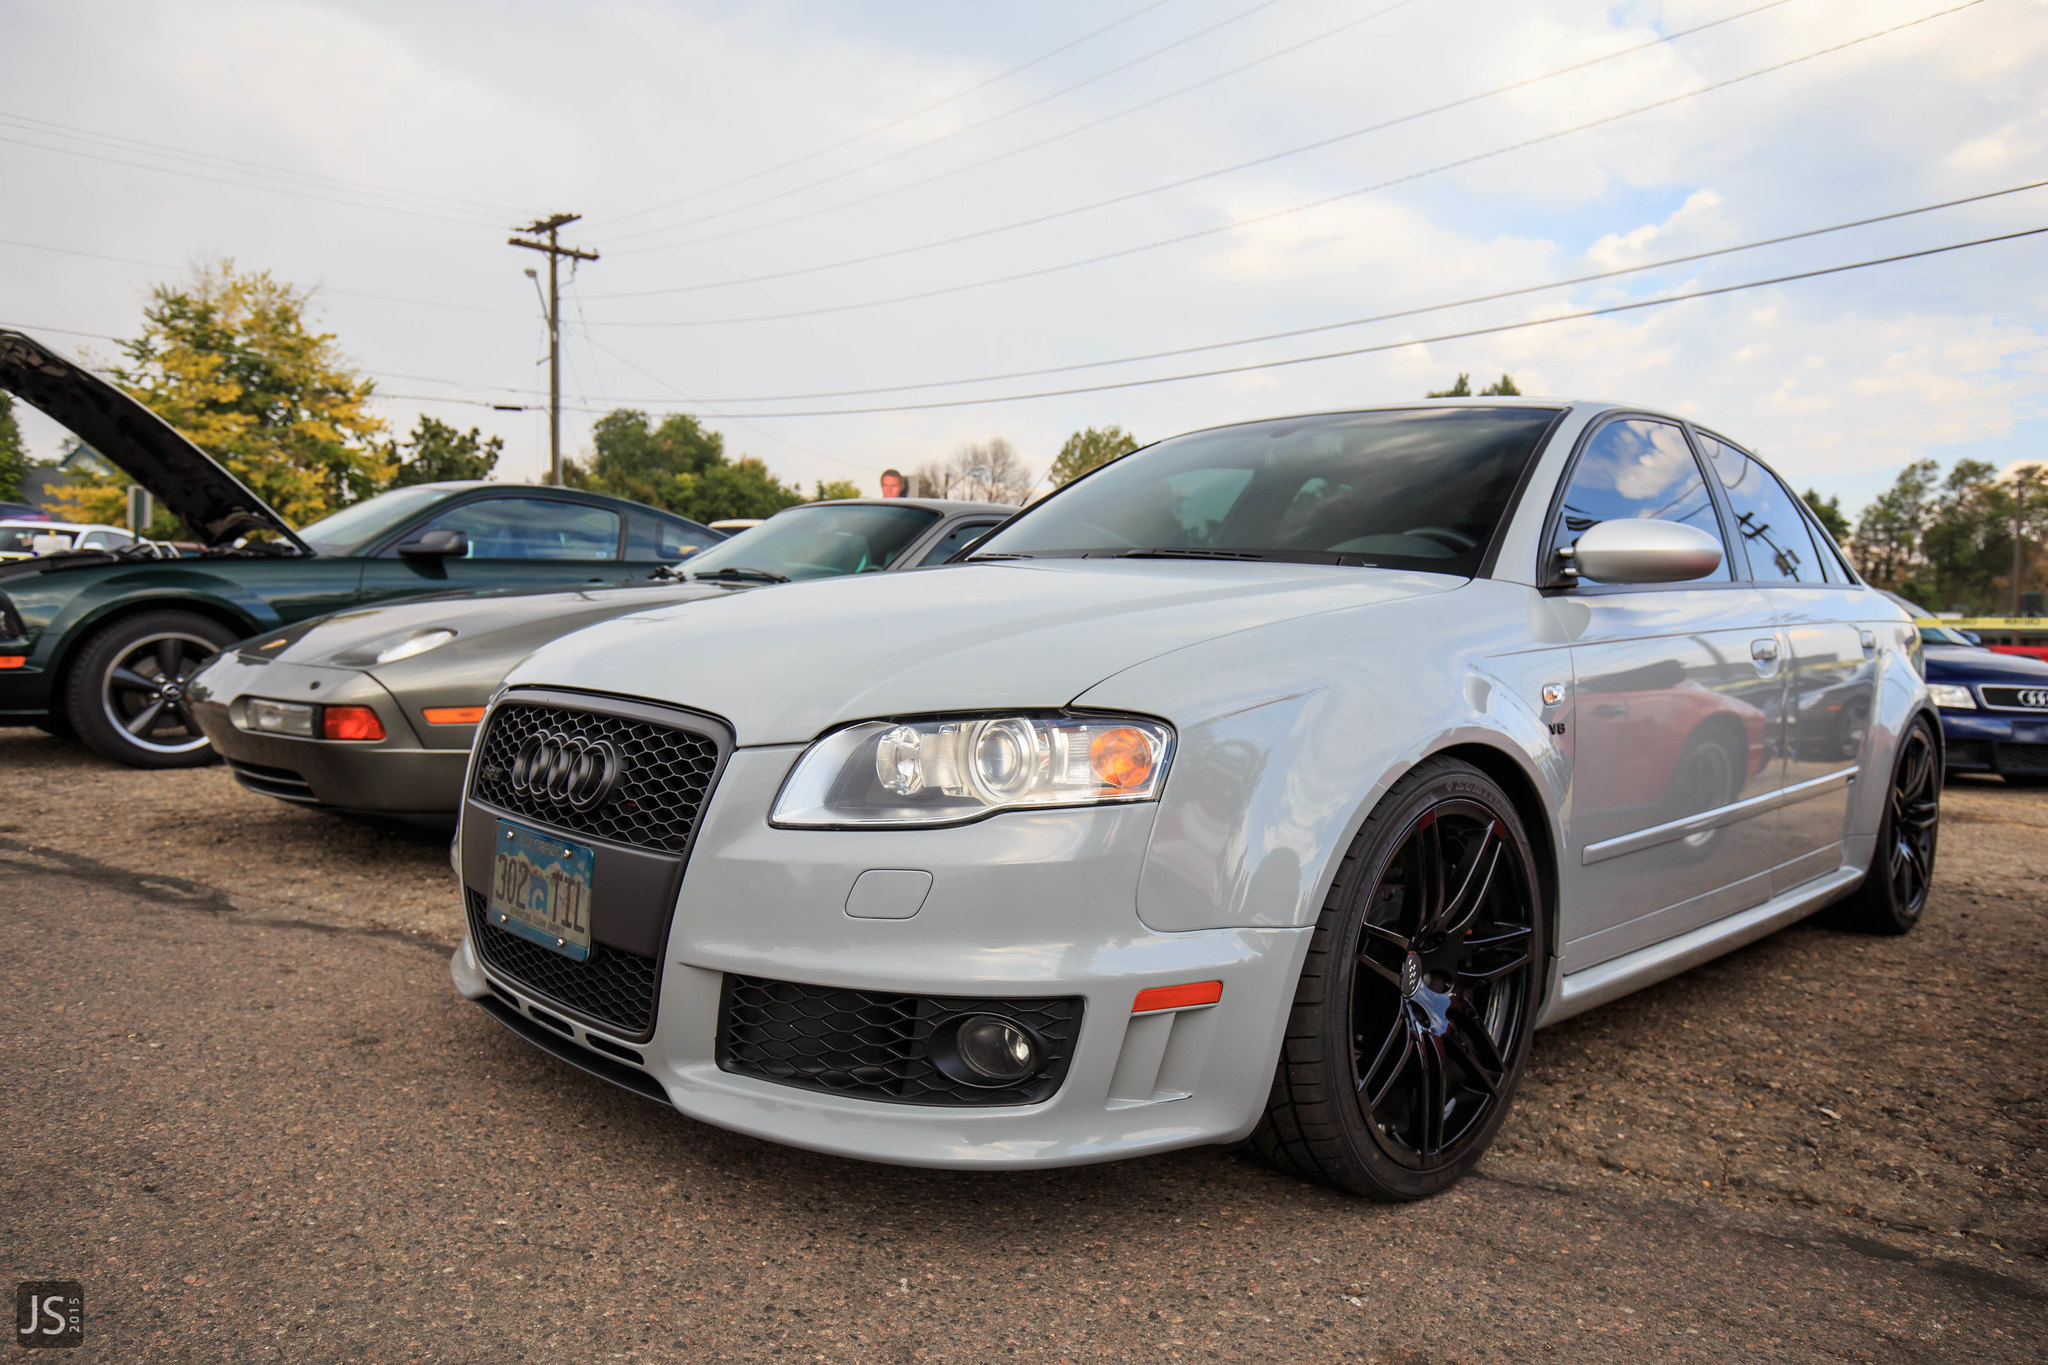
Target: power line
213 160
1196 235
1417 311
965 128
891 123
1181 183
1405 342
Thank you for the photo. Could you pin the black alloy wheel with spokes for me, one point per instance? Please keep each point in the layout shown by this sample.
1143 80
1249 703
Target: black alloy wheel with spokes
127 696
1412 1019
1893 893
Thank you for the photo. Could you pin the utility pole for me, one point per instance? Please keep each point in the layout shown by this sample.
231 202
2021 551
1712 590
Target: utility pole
554 251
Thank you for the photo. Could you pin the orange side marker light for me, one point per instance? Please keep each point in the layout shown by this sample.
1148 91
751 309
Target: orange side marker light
13 660
453 715
1177 997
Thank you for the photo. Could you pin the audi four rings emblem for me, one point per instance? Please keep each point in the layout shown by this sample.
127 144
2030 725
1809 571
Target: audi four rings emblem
2034 697
577 773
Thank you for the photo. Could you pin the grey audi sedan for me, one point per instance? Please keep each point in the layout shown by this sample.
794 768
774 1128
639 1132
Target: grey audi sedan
373 711
1271 784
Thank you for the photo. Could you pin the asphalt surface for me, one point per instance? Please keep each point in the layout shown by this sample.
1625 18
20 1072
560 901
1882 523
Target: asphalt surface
258 1133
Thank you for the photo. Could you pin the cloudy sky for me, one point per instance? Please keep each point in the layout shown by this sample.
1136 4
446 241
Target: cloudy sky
817 206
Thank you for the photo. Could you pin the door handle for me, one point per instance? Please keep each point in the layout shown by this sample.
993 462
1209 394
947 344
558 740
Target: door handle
1869 643
1763 651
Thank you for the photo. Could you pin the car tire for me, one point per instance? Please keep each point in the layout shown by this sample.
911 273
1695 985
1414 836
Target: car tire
1412 1017
125 693
1893 892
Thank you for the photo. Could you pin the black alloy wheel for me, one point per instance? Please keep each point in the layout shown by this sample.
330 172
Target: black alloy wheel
1893 893
128 691
1412 1020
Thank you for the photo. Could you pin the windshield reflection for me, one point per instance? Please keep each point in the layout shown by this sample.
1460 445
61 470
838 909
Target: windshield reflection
822 540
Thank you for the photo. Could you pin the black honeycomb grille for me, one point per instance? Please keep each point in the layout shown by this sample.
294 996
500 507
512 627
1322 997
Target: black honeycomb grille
2023 758
614 988
874 1044
664 777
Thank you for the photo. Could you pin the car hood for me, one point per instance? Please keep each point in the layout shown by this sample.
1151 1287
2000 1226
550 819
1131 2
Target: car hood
214 504
508 623
783 666
1964 663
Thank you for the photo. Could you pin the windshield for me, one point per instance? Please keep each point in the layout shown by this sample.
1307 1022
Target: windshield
822 540
1417 488
1942 635
353 528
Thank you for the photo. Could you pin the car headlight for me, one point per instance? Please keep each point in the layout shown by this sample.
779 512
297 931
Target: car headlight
414 644
1953 697
943 772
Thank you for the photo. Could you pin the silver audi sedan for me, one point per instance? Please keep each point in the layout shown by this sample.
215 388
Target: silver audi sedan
1270 785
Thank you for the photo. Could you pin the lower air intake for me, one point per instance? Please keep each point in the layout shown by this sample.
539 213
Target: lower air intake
613 990
877 1045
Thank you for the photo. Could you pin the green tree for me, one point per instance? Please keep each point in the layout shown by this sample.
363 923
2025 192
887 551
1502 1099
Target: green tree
1503 387
233 363
679 466
831 489
14 461
1967 543
1087 449
437 453
1887 537
1830 514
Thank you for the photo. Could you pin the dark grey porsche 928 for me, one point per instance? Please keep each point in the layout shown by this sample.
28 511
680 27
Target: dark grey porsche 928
374 710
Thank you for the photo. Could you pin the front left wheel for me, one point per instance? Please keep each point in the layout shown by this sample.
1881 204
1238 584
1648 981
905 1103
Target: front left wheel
126 696
1412 1018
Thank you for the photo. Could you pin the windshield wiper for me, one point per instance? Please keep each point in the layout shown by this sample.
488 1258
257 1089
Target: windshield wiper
977 559
1174 552
742 575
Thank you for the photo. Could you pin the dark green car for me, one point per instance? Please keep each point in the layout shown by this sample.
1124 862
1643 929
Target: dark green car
101 644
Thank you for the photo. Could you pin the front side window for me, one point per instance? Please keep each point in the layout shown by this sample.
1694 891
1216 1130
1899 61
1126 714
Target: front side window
533 528
1767 516
658 538
955 540
1638 468
354 528
1414 488
823 540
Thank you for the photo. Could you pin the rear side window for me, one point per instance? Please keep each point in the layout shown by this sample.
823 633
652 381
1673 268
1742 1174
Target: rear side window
1637 468
658 538
1767 517
534 528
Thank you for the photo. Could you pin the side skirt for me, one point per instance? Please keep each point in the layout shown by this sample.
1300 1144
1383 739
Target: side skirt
1583 990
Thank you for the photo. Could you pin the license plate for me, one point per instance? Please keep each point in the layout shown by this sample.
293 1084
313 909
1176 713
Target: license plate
540 889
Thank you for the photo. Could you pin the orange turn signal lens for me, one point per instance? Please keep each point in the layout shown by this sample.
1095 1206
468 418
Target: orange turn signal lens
1177 997
350 722
13 660
453 715
1121 758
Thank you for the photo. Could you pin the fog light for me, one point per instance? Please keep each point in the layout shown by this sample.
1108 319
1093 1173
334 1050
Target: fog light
278 717
996 1051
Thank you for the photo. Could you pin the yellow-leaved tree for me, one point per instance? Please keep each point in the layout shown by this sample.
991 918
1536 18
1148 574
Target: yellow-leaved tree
232 362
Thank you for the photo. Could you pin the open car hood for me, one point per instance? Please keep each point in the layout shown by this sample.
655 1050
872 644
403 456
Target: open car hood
213 503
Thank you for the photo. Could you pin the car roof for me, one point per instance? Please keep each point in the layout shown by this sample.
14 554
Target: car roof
29 523
454 486
949 506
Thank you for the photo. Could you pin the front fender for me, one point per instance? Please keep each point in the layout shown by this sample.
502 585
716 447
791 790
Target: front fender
1267 791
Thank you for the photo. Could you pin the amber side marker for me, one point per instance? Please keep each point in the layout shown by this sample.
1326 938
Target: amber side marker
453 715
1177 997
13 660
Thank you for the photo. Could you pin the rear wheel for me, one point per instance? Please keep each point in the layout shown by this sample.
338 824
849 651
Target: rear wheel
126 696
1413 1014
1893 893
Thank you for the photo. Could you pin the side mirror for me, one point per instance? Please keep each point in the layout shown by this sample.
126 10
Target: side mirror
436 545
1972 636
1631 550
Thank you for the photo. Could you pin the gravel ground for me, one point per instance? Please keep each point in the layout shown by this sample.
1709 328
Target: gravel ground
245 1107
